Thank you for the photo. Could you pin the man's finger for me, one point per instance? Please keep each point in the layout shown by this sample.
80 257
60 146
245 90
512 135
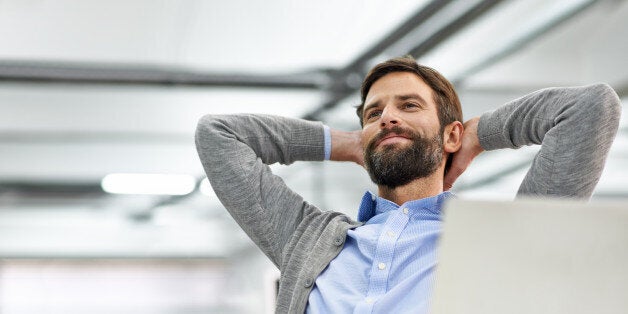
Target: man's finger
451 176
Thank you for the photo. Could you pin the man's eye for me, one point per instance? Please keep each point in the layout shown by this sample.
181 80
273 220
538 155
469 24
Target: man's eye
373 114
410 105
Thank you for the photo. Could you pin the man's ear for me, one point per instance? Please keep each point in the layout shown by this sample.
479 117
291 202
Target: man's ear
452 137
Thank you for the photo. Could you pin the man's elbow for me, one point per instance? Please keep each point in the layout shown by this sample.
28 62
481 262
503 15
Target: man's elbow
605 107
208 130
607 99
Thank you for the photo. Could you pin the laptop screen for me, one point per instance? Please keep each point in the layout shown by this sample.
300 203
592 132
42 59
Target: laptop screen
533 256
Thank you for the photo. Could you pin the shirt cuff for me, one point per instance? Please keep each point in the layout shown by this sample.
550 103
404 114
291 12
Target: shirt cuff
327 133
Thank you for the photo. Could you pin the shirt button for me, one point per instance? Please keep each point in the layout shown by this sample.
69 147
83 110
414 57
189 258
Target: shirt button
369 300
338 241
405 210
390 234
381 266
373 197
308 282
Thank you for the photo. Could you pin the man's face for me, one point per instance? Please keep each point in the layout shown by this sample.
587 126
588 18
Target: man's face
401 134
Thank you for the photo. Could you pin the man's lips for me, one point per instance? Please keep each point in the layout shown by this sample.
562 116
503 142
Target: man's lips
391 139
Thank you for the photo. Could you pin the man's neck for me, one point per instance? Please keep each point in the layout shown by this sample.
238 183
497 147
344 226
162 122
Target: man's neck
414 190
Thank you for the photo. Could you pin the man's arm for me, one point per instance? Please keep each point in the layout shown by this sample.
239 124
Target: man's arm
575 126
235 151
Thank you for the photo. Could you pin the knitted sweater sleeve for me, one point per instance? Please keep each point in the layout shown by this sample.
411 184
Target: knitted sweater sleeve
575 128
235 151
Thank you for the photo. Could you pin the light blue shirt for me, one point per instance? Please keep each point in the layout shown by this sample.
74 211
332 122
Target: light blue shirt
387 265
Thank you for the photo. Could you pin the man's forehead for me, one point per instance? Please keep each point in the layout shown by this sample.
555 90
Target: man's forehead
399 85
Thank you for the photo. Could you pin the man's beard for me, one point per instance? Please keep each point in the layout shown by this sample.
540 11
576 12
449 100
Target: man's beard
394 166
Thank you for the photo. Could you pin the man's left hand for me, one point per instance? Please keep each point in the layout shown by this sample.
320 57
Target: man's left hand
468 151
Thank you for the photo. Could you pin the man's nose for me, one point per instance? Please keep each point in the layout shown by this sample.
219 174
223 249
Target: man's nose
389 118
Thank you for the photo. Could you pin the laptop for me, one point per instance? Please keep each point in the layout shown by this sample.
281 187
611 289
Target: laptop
533 256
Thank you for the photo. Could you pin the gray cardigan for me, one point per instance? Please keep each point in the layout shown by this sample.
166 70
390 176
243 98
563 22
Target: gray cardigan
575 126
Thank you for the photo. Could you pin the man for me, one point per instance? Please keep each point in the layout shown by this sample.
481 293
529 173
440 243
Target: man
413 146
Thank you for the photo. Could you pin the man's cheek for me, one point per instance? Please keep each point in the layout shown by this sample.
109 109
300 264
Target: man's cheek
368 141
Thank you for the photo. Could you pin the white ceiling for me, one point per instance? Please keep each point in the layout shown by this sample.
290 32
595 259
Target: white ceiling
81 133
77 133
232 36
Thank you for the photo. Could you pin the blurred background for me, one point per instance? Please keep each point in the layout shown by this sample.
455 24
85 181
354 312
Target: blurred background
104 206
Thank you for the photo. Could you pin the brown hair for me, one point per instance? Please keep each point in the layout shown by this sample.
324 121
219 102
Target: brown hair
445 96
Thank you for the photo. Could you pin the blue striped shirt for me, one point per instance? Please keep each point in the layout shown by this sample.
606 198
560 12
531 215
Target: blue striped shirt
387 265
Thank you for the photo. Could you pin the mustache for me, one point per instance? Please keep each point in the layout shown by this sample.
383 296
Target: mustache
396 130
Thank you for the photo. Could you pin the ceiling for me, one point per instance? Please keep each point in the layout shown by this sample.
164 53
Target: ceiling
90 88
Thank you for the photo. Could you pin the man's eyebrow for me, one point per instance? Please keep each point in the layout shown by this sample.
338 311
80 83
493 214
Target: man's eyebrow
371 105
412 96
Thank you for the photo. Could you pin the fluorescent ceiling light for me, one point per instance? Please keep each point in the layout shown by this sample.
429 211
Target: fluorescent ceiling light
153 184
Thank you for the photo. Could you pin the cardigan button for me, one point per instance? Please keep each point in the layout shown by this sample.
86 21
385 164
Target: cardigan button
338 241
308 282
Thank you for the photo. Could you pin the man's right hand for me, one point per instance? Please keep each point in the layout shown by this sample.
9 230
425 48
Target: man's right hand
347 146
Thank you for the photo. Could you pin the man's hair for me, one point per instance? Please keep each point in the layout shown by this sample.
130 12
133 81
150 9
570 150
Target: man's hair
445 97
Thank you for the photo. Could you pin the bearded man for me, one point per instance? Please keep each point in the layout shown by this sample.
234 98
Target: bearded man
413 145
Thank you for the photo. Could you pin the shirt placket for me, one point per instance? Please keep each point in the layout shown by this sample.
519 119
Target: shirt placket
383 259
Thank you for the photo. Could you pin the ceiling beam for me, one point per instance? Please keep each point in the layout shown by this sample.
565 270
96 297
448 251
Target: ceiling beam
394 36
519 43
120 74
341 87
452 27
94 137
46 189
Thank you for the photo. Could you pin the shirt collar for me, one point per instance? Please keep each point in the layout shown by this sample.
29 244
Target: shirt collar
372 204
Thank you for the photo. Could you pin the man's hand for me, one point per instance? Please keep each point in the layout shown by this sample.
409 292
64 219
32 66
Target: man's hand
347 146
462 158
